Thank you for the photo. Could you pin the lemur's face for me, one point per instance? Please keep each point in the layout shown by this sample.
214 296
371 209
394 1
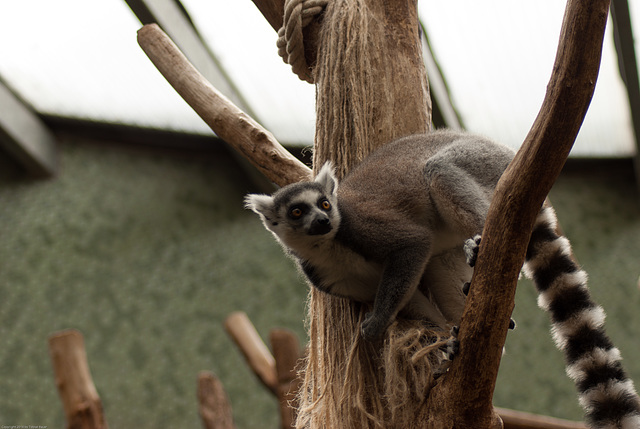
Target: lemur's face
301 214
307 212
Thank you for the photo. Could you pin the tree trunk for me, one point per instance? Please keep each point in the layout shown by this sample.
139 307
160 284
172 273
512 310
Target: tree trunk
371 82
371 88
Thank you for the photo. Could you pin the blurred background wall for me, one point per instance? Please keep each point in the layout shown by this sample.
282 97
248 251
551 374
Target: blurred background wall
147 251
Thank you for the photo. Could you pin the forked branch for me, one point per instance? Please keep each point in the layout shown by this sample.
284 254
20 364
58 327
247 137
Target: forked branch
518 198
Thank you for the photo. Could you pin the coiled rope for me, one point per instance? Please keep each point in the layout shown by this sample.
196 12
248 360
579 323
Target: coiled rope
297 15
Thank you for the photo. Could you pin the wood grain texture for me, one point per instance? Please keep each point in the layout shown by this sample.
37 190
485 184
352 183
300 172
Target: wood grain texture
468 387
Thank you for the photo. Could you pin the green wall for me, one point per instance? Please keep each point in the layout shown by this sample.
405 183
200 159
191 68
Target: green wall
146 253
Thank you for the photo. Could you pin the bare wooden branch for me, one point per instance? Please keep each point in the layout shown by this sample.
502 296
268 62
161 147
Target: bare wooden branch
272 10
468 388
215 408
520 420
256 353
286 352
82 405
229 122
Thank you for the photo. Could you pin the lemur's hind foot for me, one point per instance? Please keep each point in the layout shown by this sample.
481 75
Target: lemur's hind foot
451 349
471 248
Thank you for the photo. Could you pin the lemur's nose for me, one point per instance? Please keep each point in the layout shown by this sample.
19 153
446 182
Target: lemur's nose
323 221
320 225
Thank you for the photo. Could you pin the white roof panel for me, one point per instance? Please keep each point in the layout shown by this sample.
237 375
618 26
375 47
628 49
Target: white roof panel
80 59
497 57
245 44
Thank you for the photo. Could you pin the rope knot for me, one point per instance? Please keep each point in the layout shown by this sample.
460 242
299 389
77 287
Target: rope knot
297 15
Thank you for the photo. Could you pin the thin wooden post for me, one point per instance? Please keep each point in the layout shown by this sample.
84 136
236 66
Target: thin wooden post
82 405
286 351
215 408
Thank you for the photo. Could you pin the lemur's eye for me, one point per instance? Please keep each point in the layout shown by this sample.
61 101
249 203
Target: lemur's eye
325 205
295 212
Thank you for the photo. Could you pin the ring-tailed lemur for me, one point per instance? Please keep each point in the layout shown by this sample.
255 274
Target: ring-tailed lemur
394 233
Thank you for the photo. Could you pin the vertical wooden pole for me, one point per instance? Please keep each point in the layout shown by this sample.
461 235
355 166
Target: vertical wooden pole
82 405
215 408
286 352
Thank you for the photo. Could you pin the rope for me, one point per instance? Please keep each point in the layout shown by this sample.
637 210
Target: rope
297 15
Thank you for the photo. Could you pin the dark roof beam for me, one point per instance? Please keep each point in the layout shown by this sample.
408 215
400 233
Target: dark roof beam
627 61
25 137
443 111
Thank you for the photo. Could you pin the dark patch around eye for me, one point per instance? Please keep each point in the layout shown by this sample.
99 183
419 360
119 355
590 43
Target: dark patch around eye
297 211
324 204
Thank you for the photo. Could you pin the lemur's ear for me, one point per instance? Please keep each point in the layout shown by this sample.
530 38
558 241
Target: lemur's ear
327 178
261 204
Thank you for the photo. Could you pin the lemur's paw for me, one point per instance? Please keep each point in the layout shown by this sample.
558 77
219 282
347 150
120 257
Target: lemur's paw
372 329
451 349
471 247
453 345
465 288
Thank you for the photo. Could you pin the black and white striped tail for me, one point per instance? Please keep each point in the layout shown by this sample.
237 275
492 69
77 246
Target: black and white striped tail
605 391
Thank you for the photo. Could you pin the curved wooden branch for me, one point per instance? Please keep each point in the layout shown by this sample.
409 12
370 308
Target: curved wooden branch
225 119
272 10
254 350
468 388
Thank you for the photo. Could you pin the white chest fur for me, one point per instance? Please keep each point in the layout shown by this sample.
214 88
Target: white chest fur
343 272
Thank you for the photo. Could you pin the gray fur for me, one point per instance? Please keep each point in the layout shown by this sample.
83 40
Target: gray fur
398 224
